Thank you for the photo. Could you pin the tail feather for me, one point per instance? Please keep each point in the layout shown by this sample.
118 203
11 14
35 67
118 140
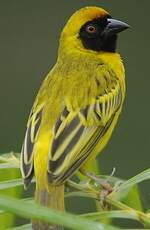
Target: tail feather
52 198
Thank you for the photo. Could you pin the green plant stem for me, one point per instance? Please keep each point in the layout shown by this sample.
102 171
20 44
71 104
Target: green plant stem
141 216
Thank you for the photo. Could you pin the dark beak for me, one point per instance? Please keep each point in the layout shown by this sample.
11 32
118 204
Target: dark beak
114 26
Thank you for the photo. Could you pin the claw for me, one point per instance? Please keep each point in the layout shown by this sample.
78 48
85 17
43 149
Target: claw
106 187
102 197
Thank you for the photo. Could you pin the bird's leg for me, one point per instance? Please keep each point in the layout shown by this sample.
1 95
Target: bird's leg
106 187
102 196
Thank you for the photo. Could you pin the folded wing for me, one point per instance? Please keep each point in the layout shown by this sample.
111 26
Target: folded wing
27 158
76 134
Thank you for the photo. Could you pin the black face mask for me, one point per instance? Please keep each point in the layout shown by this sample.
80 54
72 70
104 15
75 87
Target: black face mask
100 34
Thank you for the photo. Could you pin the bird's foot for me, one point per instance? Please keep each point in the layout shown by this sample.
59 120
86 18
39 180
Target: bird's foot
106 188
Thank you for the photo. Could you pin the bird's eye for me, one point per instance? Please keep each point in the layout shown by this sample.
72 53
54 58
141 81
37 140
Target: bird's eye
91 29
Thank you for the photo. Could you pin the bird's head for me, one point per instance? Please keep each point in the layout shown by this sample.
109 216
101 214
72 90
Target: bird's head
92 28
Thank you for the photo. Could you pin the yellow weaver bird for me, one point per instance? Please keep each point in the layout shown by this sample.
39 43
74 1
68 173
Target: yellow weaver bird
77 106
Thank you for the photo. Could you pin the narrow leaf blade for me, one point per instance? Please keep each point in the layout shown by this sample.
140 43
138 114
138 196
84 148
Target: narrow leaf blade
34 211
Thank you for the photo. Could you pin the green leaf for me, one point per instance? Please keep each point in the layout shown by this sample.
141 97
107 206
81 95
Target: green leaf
29 199
1 211
7 219
12 158
22 227
7 166
121 191
80 194
34 211
111 214
10 183
133 198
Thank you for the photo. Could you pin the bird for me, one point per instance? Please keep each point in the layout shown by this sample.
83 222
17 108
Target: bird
77 106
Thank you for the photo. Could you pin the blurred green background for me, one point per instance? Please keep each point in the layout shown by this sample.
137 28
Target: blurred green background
29 33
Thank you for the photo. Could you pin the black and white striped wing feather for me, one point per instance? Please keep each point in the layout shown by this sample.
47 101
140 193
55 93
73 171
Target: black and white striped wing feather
27 160
75 137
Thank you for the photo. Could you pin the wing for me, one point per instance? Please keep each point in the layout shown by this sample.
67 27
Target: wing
28 145
33 127
76 134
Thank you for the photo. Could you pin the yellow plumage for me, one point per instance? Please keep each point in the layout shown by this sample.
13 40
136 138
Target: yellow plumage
75 111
